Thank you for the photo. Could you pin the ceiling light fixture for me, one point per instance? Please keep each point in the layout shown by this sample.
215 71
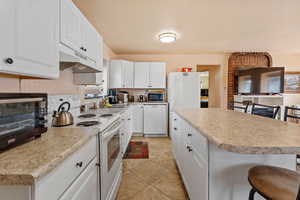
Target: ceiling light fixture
167 37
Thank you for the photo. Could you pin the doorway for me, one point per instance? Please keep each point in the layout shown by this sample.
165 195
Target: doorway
214 85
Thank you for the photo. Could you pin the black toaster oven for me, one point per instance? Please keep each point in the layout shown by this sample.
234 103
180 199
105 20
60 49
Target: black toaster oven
22 117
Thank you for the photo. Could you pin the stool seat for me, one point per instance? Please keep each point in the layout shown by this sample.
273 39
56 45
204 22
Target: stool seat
274 183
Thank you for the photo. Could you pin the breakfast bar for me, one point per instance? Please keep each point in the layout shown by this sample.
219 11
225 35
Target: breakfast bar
215 148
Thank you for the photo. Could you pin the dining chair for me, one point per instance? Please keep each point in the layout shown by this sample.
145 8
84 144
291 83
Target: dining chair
265 110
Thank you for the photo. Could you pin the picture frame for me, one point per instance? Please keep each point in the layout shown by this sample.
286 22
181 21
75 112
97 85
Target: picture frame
292 82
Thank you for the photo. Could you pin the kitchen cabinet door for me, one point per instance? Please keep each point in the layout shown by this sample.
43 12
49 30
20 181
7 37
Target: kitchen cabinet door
157 75
70 26
155 119
86 186
30 38
116 74
141 74
138 119
128 70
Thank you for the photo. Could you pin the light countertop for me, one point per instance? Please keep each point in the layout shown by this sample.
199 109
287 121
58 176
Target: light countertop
243 133
25 164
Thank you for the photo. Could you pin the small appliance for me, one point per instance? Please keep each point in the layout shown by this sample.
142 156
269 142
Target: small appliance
141 98
22 118
113 99
62 117
155 97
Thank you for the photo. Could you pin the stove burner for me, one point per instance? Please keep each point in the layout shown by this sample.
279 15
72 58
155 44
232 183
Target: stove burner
87 116
106 115
88 123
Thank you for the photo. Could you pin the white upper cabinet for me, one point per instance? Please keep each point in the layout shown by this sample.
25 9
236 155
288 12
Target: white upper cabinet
80 37
121 74
128 71
70 34
157 75
141 74
150 75
29 38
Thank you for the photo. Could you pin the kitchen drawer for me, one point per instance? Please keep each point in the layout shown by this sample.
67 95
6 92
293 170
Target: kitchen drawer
199 143
57 181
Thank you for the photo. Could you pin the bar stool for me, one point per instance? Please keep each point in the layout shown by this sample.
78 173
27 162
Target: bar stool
240 105
265 110
287 115
274 183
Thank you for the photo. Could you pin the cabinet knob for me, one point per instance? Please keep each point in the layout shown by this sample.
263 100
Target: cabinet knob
9 61
175 119
79 164
175 129
189 148
190 135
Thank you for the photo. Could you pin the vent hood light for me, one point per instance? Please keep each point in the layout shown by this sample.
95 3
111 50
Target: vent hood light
167 37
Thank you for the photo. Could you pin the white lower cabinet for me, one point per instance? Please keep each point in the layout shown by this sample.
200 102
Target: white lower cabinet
76 178
155 119
85 186
126 130
191 156
137 119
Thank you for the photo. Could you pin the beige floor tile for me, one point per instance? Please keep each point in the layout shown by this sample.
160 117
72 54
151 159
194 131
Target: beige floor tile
130 186
156 178
150 193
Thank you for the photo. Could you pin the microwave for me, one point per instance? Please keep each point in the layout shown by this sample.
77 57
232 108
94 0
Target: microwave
155 97
22 118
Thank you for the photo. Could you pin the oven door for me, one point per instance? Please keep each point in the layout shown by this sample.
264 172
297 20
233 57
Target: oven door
110 158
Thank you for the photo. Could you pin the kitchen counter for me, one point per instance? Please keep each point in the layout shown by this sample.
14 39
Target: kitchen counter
219 147
25 164
243 133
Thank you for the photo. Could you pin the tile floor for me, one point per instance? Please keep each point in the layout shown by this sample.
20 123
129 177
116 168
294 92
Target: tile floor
156 178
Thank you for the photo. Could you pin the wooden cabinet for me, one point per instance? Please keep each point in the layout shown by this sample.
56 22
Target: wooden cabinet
121 74
80 38
149 75
137 119
30 38
191 153
155 119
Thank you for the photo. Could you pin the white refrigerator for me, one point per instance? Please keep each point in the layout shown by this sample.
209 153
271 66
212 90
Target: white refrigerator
184 90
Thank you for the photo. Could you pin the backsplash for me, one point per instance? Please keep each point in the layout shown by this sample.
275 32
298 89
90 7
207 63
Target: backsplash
55 100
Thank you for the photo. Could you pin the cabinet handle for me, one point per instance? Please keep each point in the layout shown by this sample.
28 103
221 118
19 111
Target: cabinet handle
189 148
129 119
79 164
190 135
9 61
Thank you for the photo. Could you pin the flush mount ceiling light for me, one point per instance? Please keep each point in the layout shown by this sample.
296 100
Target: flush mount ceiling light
167 37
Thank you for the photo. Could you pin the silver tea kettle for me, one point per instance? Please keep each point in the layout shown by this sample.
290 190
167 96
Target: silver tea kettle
62 117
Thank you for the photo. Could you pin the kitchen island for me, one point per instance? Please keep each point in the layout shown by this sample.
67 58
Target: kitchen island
214 149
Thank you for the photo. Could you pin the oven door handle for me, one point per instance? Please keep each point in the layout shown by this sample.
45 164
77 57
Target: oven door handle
112 130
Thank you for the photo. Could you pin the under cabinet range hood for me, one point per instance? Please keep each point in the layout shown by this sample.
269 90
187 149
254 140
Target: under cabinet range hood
79 62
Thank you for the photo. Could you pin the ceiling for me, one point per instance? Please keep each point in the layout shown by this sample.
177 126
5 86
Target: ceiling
203 26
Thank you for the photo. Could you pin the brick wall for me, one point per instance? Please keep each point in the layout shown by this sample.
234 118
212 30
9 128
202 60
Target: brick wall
244 59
